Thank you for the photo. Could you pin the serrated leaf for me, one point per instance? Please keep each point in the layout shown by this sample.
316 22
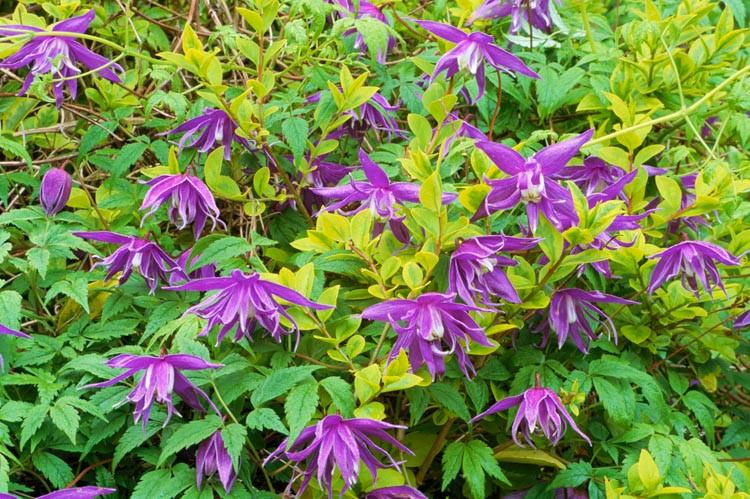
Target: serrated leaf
300 405
234 436
341 394
222 250
280 382
54 469
448 397
265 418
191 433
33 421
452 460
295 132
66 418
135 436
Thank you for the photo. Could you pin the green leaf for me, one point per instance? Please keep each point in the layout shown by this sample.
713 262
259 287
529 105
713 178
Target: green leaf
430 194
341 394
295 132
552 243
280 382
94 136
222 250
33 421
54 469
66 418
478 459
16 149
221 185
574 475
448 397
265 418
234 440
10 309
300 406
39 260
74 287
191 433
164 483
452 459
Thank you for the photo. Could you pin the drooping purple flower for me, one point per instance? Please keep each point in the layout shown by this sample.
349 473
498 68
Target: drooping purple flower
153 263
593 176
537 407
322 173
531 182
190 201
241 301
161 378
375 114
707 126
57 55
201 272
54 191
434 326
742 320
476 269
89 492
366 9
397 492
695 262
209 130
572 312
212 457
378 194
335 442
470 53
534 12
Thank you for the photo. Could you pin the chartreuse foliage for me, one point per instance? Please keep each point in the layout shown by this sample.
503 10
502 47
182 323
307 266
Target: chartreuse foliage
303 91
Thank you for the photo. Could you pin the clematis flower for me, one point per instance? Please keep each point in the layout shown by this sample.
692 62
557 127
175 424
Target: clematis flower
398 492
338 443
465 129
241 301
57 55
322 173
531 183
375 114
54 191
536 406
190 201
593 176
435 326
522 12
378 194
366 9
476 268
694 261
89 492
470 53
153 263
572 311
161 378
213 457
212 127
199 273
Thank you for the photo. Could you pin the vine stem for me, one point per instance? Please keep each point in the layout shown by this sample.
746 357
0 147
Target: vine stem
437 446
684 111
86 470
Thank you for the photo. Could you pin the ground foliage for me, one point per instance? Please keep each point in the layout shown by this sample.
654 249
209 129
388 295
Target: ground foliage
663 83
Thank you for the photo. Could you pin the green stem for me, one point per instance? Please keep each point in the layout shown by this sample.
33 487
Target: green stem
675 115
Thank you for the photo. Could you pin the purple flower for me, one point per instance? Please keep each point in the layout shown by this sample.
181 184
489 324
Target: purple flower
742 320
322 174
534 12
202 272
706 128
243 300
212 457
694 261
161 377
190 201
531 182
476 268
593 176
398 492
55 190
536 406
572 311
57 55
435 327
375 114
153 263
212 127
366 9
465 129
89 492
335 442
470 52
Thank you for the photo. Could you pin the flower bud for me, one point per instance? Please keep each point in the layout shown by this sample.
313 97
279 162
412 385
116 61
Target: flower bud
55 190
